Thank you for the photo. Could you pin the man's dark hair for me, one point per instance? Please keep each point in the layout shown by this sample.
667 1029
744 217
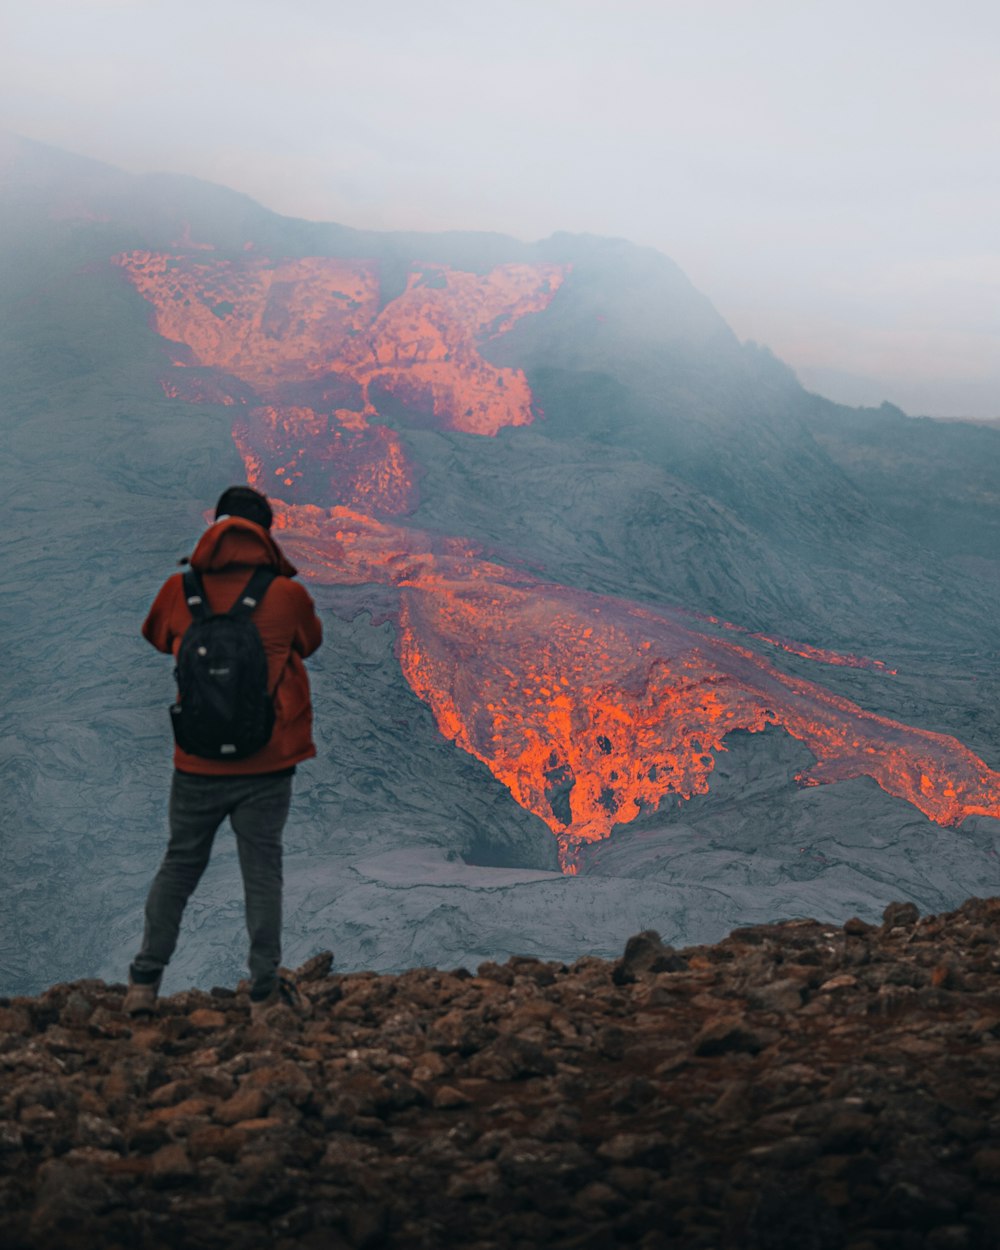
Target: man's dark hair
245 502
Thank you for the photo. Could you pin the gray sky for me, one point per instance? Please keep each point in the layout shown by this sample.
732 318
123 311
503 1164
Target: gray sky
828 173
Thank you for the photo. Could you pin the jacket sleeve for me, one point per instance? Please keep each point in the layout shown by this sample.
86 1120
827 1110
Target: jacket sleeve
160 626
308 627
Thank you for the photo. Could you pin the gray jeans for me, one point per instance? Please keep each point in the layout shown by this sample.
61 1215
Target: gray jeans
257 808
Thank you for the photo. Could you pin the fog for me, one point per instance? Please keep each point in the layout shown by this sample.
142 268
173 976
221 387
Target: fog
826 173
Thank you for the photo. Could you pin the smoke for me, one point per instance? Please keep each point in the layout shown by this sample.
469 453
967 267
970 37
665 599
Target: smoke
805 169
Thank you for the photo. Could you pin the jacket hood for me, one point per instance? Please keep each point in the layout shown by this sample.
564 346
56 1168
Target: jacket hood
238 541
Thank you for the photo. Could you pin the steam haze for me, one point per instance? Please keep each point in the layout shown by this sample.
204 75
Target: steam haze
826 174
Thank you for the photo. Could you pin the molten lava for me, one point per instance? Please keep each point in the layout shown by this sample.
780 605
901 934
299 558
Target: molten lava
305 346
265 323
588 708
318 320
297 454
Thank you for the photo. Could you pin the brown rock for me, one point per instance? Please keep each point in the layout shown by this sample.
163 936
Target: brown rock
315 969
900 916
77 1009
245 1104
646 953
429 1066
634 1148
844 981
732 1099
92 1155
171 1093
792 1152
284 1079
36 1117
93 1130
205 1020
147 1038
262 1125
512 1058
726 1034
368 1126
185 1110
318 1035
945 977
480 1180
780 996
447 1096
68 1195
847 1132
564 1111
632 1181
558 1123
15 1020
460 1030
611 1041
500 973
216 1142
600 1195
171 1165
147 1135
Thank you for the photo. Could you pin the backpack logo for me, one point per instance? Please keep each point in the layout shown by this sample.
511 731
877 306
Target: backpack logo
224 709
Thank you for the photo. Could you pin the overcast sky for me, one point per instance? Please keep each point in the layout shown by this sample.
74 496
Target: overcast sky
828 173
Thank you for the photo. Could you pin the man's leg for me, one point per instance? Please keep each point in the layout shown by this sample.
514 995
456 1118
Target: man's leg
258 820
198 805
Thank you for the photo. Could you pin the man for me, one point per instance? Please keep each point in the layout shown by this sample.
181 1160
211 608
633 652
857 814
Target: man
254 791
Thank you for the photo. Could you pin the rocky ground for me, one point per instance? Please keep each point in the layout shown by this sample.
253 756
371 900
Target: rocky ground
795 1085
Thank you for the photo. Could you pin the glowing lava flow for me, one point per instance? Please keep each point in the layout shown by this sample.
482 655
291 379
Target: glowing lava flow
299 454
317 320
589 708
822 656
263 322
309 338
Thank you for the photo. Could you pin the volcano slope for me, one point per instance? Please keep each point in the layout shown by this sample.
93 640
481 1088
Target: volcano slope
605 590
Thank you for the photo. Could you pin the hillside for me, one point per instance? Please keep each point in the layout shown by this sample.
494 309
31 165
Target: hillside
605 590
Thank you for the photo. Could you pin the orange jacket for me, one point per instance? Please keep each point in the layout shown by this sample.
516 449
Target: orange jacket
286 618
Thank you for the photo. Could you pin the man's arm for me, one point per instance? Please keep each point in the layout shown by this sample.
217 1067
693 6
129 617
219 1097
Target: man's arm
157 628
308 627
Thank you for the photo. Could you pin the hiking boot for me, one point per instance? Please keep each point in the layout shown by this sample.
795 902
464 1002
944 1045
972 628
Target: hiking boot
283 999
141 999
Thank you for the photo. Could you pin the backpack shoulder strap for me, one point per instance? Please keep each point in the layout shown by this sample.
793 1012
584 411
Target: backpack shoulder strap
254 590
194 595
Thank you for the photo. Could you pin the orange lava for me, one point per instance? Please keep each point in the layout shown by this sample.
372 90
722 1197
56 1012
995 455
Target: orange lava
265 323
821 656
802 649
195 389
271 324
423 349
590 708
295 453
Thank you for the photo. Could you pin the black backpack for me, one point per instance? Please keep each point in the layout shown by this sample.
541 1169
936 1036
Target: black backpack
224 710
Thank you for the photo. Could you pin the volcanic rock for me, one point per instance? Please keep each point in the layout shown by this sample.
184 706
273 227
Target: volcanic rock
597 581
767 1091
